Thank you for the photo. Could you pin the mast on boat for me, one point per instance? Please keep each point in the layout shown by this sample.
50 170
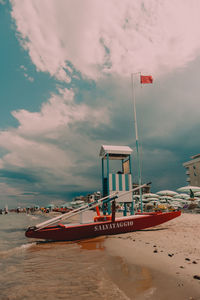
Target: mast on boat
144 79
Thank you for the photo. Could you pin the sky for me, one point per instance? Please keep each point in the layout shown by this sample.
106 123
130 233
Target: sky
65 90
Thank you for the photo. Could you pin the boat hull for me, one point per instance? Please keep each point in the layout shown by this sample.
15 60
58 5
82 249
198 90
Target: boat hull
84 231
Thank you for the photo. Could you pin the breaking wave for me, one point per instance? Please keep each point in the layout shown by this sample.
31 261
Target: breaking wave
16 250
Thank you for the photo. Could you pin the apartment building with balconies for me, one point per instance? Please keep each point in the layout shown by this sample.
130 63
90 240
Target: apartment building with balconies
193 170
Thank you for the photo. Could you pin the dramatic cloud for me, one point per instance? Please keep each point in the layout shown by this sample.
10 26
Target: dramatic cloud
50 145
91 47
97 37
6 190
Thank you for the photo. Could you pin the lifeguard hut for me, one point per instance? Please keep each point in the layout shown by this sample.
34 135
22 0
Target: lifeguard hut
120 180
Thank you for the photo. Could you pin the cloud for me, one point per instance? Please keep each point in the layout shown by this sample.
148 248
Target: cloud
6 190
54 151
56 148
108 37
47 149
19 175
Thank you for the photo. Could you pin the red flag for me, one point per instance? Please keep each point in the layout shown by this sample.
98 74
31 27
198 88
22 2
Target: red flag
146 79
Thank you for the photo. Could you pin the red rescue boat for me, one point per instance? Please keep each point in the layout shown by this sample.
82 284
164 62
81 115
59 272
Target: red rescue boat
72 232
102 225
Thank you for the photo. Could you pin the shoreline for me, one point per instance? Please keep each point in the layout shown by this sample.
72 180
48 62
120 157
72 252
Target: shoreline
168 253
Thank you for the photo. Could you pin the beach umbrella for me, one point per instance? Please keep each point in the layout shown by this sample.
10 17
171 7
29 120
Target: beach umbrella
166 193
64 205
197 194
174 200
145 200
177 204
150 195
188 189
50 206
165 197
182 196
163 201
177 199
79 202
153 199
185 201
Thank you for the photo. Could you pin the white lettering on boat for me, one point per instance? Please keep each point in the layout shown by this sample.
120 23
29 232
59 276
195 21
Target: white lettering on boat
103 227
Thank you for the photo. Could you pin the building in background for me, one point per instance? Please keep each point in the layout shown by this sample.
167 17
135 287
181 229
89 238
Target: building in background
193 170
145 189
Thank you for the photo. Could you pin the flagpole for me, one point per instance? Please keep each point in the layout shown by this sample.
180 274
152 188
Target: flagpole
136 139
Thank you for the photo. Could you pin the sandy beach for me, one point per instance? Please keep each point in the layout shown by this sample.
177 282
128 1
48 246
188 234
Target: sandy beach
168 257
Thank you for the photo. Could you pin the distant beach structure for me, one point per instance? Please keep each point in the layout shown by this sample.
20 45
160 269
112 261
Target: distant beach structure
193 170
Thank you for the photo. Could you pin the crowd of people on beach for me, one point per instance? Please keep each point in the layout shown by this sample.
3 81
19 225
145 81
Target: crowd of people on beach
165 200
32 210
192 207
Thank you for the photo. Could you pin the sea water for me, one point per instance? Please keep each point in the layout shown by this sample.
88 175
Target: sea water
32 269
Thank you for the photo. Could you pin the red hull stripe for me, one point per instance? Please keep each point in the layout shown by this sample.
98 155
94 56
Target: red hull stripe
84 231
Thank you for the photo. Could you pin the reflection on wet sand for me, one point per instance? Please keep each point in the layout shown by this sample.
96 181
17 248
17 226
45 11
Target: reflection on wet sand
93 244
88 244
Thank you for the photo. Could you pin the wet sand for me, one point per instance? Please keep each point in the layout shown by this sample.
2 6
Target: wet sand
167 258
